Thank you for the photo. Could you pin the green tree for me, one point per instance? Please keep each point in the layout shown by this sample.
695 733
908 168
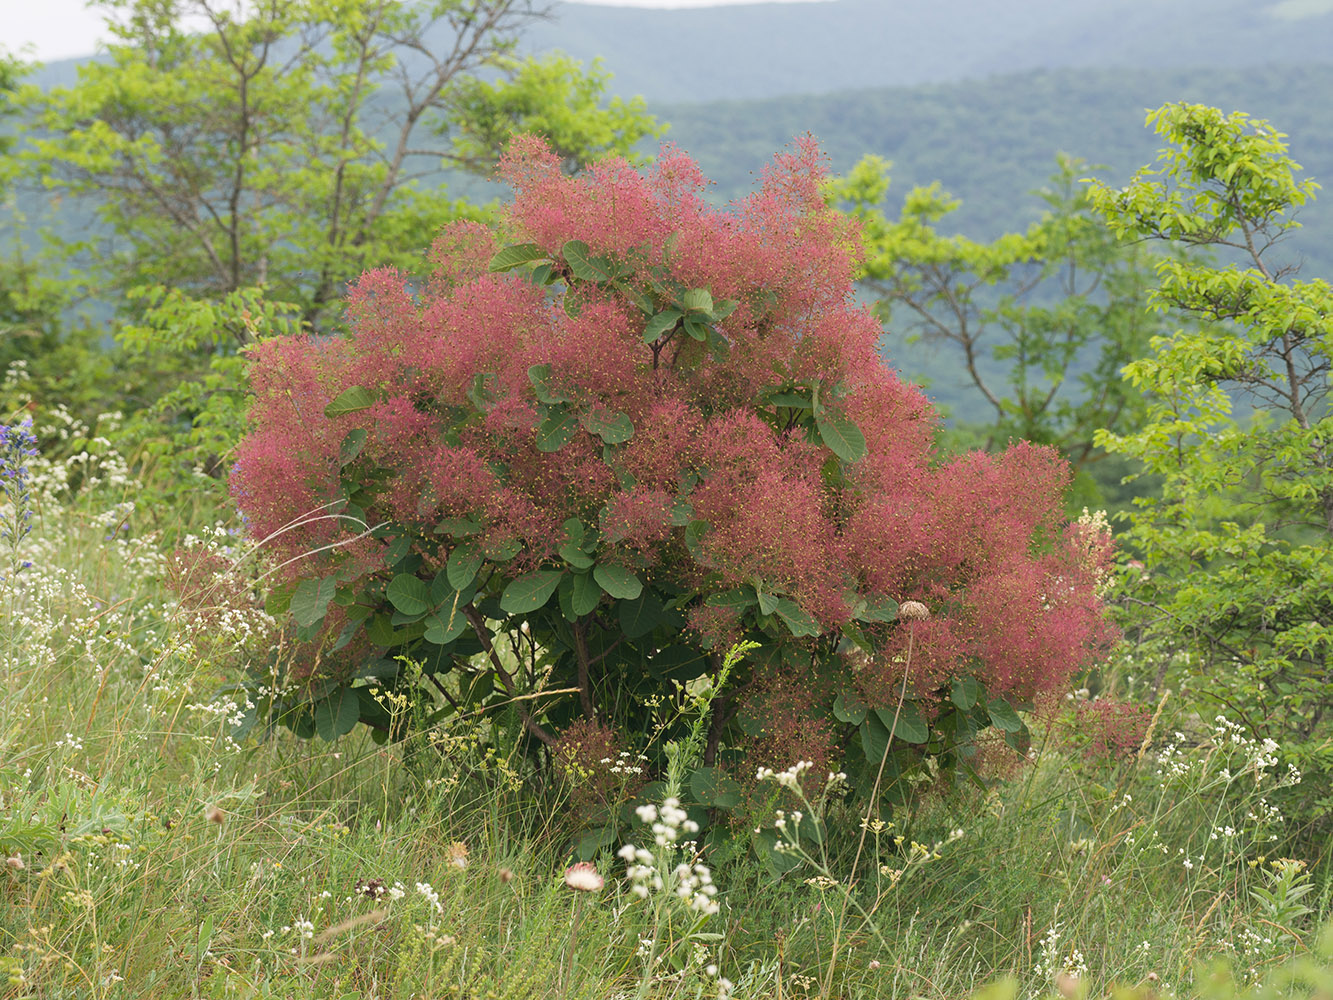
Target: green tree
39 360
244 167
25 318
283 149
1041 321
1239 544
554 98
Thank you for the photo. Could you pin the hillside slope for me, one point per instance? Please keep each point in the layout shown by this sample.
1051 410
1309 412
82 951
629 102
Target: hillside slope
767 50
992 142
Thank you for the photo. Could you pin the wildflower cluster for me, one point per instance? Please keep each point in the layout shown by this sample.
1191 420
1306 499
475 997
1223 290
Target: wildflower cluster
691 883
56 609
1058 962
1235 753
17 445
669 877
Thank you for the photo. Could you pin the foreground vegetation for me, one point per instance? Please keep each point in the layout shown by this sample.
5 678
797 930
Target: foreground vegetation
149 855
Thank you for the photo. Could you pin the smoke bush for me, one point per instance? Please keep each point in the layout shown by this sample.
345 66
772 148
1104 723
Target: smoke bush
619 435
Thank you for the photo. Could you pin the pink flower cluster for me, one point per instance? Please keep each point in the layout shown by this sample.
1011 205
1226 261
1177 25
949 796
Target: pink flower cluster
980 539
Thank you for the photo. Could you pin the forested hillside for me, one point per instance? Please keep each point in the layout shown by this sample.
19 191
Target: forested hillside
1004 96
761 50
764 50
993 142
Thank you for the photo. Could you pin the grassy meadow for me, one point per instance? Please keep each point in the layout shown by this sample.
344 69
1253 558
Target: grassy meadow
148 854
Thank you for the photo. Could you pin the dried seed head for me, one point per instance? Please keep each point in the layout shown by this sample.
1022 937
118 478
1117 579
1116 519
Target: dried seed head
457 853
913 611
16 862
584 877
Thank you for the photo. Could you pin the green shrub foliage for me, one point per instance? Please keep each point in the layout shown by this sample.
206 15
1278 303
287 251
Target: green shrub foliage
626 432
1237 546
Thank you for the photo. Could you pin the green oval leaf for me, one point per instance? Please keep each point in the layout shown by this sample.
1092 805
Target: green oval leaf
464 561
557 429
445 625
790 400
841 435
485 390
848 708
338 714
586 594
514 255
712 786
740 598
409 594
910 726
698 300
538 375
618 581
1003 716
584 267
311 600
609 425
797 621
458 527
777 862
530 591
350 400
874 738
878 609
589 843
575 556
572 549
768 603
502 549
641 615
723 309
694 533
352 445
965 692
661 323
696 328
575 530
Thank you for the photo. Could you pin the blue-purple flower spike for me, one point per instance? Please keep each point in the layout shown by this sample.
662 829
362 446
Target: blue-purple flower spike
17 445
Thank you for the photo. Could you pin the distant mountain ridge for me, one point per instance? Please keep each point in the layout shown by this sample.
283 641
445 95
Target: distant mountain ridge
766 50
963 93
992 141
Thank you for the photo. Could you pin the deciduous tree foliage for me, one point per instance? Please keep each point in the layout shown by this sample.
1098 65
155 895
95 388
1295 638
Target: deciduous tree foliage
277 145
1041 321
247 161
1240 542
631 433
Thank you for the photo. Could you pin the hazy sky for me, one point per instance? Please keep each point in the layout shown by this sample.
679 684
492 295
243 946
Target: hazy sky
58 29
